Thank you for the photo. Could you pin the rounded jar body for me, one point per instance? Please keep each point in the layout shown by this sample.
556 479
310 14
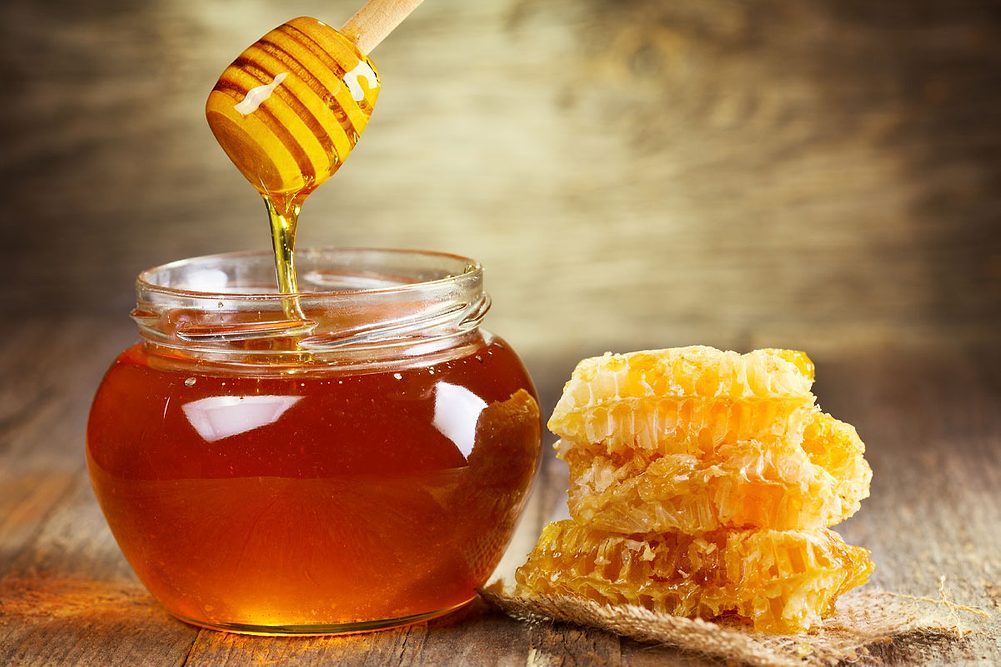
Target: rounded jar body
350 458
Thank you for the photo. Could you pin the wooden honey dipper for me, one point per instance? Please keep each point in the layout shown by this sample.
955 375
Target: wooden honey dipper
289 110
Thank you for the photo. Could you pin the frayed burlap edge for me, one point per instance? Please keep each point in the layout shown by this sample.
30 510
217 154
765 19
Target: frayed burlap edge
863 619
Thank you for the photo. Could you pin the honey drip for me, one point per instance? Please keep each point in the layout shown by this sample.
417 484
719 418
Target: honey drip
283 214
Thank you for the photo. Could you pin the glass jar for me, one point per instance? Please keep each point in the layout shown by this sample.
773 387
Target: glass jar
350 458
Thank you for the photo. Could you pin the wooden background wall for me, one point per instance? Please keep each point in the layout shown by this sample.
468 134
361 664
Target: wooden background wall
633 173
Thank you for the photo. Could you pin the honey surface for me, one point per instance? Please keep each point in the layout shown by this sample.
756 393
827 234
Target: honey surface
304 500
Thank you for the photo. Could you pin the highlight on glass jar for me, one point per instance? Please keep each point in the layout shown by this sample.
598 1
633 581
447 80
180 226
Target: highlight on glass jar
358 467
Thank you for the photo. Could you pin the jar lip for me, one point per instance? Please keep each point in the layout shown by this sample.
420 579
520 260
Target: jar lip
360 306
146 283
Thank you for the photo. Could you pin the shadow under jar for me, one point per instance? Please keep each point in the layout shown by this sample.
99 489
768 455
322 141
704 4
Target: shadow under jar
350 458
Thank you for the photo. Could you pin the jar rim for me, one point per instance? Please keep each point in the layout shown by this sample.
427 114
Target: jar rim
146 283
366 305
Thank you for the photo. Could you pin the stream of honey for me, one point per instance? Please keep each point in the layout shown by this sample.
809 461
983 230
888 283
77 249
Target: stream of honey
283 214
313 500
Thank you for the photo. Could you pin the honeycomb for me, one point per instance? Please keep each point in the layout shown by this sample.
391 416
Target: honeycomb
702 484
680 399
817 480
779 581
695 439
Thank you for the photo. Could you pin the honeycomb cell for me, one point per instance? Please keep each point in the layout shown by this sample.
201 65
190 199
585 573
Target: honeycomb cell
778 581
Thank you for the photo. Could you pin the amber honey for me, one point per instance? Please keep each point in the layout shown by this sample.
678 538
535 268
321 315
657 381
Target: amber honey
314 501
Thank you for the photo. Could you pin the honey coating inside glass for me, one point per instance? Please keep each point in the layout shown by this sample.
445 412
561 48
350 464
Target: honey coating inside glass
314 499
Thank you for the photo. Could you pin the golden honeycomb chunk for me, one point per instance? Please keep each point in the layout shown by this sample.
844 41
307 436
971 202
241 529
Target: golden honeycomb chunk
779 581
691 397
696 439
815 478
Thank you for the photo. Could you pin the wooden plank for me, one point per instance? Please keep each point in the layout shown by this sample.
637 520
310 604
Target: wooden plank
387 648
40 436
51 370
25 501
933 436
476 635
67 595
52 367
85 621
70 598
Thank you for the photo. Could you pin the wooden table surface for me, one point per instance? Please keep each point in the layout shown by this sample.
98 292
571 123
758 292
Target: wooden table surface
929 417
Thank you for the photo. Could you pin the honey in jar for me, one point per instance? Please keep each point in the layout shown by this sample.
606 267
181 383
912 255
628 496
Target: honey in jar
362 467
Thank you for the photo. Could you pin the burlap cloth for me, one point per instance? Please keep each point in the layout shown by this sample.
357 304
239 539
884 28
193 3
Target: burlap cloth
864 618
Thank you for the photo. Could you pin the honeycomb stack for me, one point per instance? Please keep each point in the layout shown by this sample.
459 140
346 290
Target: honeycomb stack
703 483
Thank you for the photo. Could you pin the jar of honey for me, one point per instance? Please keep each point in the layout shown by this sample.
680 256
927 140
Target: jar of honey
349 458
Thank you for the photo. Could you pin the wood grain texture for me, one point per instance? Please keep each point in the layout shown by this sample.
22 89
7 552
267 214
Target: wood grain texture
631 172
373 22
929 418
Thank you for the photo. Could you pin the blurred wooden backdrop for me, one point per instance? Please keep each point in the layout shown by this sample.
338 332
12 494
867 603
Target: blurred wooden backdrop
825 175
